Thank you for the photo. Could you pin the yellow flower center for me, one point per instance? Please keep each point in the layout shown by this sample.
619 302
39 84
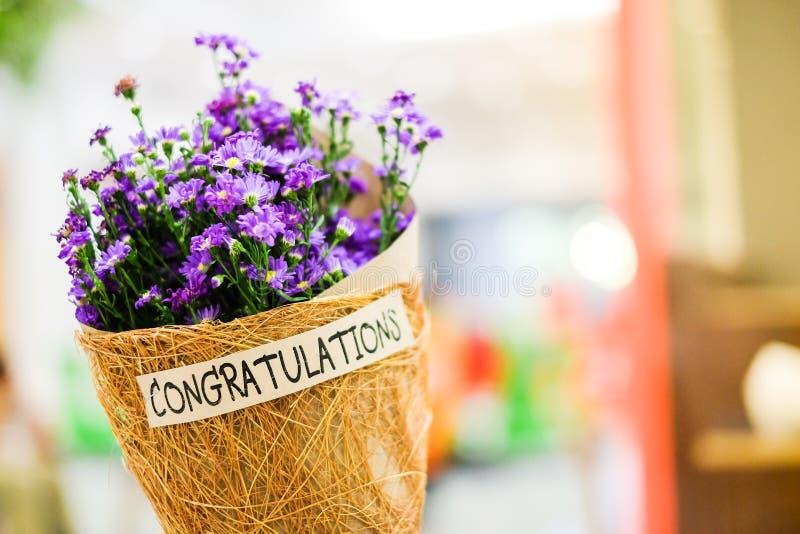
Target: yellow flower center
302 285
201 267
222 194
232 162
270 275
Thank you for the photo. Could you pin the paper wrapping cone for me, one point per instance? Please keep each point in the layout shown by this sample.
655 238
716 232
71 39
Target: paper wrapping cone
345 455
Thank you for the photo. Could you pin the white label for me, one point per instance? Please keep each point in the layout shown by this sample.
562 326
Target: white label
272 370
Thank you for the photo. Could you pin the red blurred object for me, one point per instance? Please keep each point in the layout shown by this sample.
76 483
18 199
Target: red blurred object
482 361
637 327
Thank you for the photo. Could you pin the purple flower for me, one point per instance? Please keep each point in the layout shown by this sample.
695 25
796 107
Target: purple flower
146 184
184 192
108 190
254 189
69 177
114 254
215 235
236 46
358 185
306 274
125 162
303 176
346 165
262 224
73 223
154 293
69 250
78 287
196 266
242 149
99 135
220 196
308 92
295 156
168 136
140 142
199 160
88 315
339 104
205 315
404 221
401 118
277 272
91 180
234 68
292 219
177 298
346 263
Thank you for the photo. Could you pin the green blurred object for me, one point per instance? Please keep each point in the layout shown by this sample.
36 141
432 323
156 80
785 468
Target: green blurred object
84 428
527 428
24 28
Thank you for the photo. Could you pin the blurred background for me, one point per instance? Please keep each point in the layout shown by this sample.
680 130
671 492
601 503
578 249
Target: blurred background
610 242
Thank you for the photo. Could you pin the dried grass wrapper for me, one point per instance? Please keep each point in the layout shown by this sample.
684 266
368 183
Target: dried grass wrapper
347 455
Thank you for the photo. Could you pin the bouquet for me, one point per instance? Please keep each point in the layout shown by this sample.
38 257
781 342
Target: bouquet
256 378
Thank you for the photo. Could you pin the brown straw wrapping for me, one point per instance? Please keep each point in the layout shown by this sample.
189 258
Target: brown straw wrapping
347 455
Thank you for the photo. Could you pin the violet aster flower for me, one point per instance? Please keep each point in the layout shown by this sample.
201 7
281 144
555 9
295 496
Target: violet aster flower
292 220
176 298
205 315
340 104
296 156
99 135
234 68
76 241
308 92
358 185
236 46
125 163
73 223
88 315
262 224
184 192
216 235
140 142
303 176
305 275
114 254
145 184
154 293
168 133
220 196
196 266
346 263
254 189
277 273
78 287
241 149
346 165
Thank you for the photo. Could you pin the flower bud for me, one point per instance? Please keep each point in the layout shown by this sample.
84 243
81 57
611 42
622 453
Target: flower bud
344 229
